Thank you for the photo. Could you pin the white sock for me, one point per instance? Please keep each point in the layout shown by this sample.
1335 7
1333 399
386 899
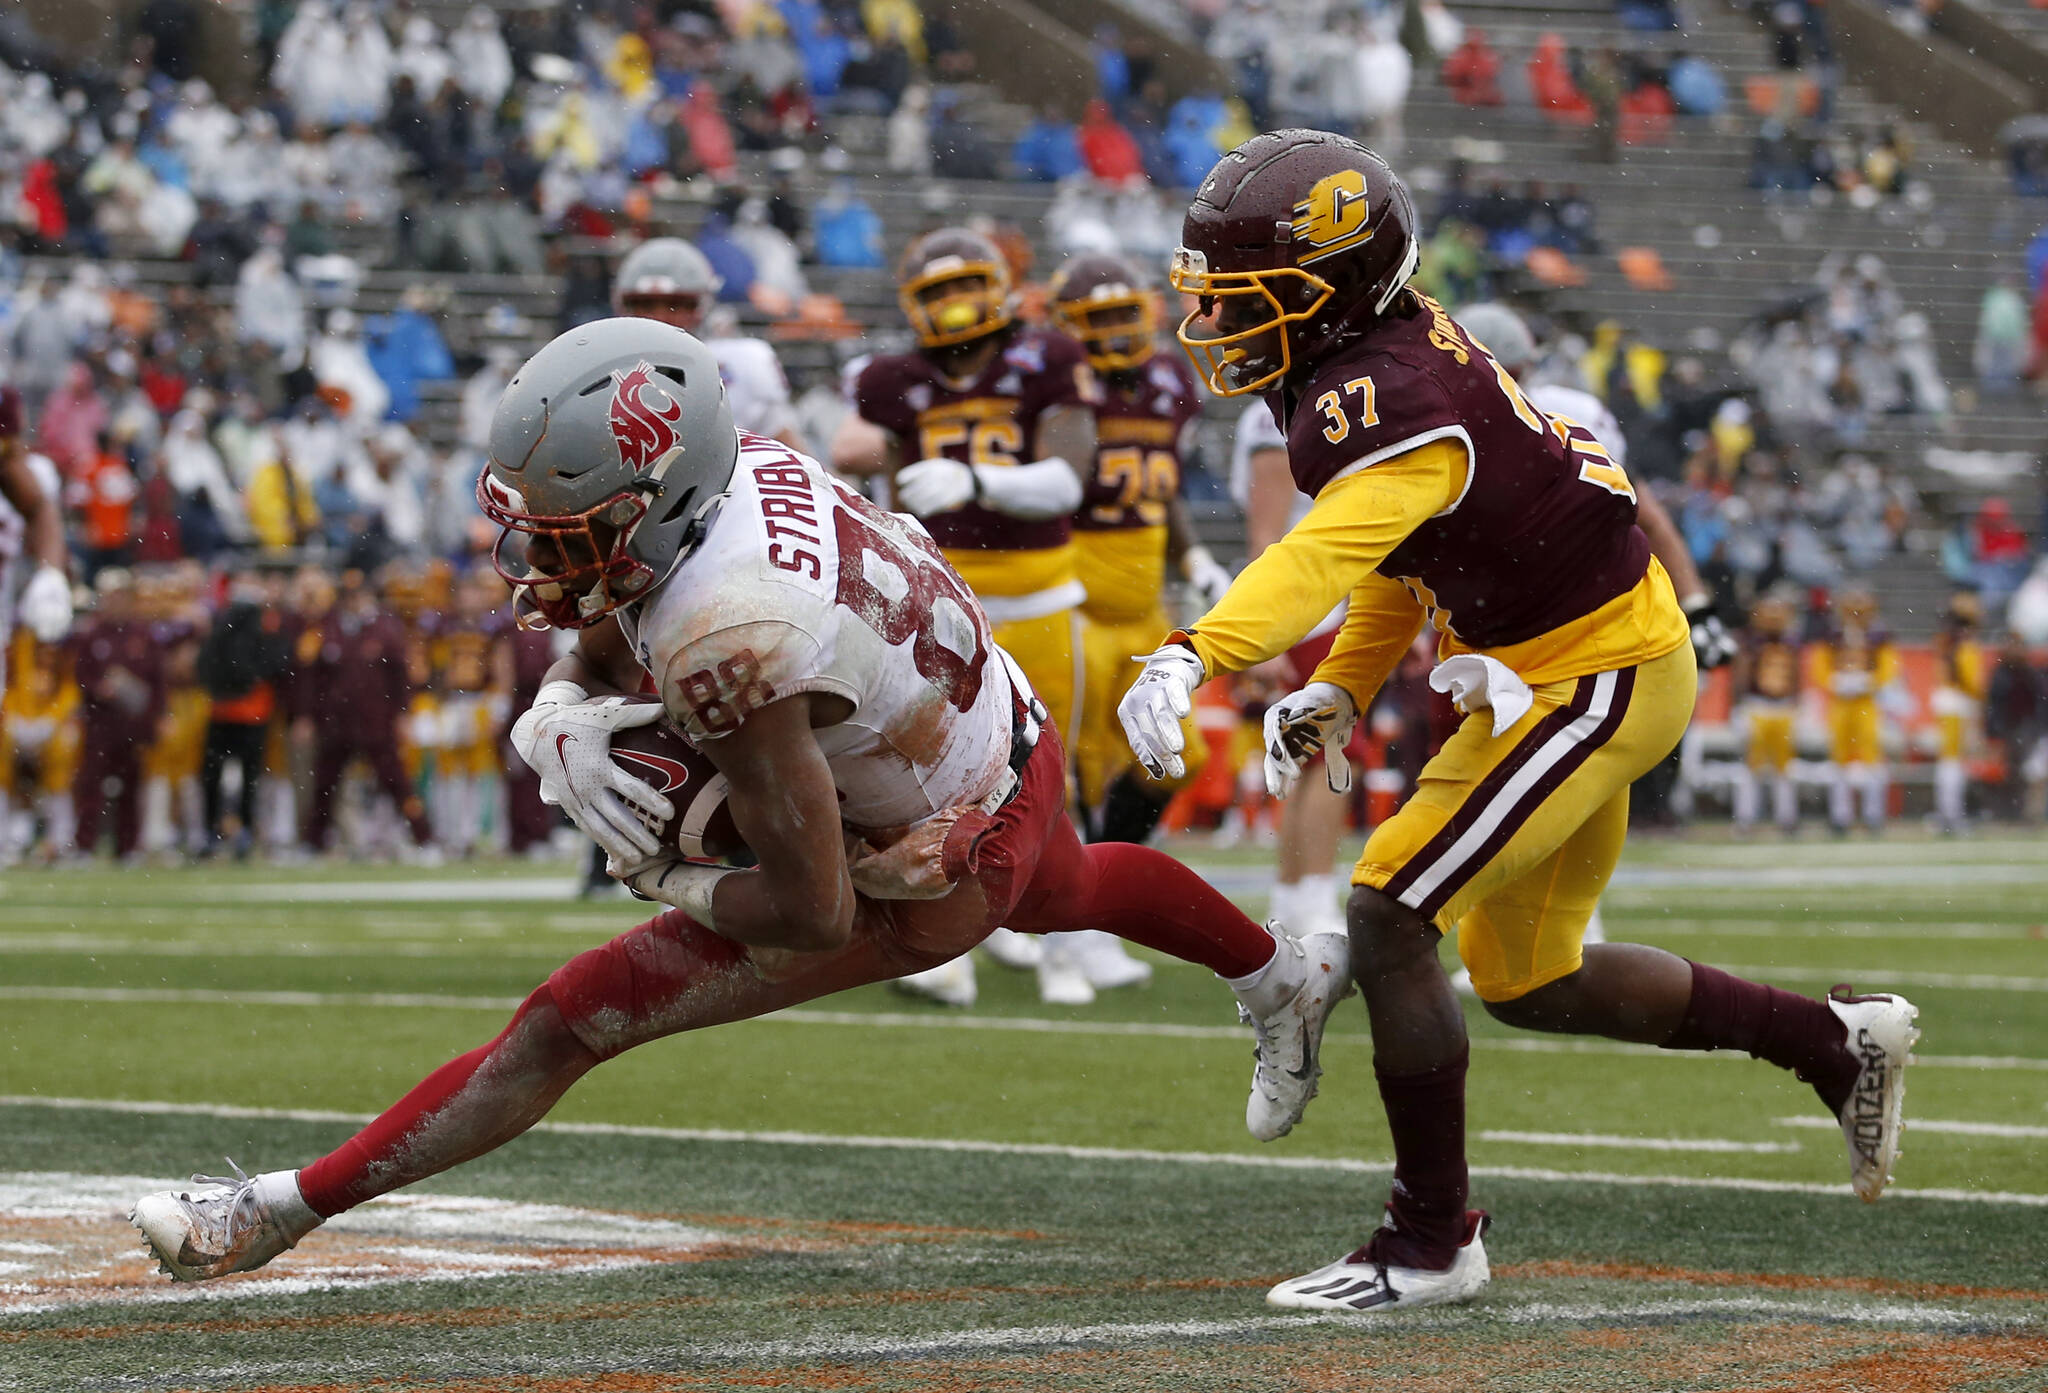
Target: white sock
278 1191
1950 780
1876 791
1274 982
1745 798
1785 800
62 827
1841 810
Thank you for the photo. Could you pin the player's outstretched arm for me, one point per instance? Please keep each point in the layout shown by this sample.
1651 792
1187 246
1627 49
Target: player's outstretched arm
785 807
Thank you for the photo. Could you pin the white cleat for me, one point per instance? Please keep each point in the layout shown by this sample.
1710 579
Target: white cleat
1062 980
1019 952
221 1226
949 984
1288 1040
1361 1283
1881 1033
1106 963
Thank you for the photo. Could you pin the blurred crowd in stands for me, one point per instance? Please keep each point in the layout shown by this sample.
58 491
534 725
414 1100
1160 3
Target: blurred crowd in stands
258 493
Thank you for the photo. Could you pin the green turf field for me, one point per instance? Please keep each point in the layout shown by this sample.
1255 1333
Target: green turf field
874 1194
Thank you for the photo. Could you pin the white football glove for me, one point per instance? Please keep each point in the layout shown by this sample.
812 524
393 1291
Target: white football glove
1154 707
46 604
934 486
566 738
1209 576
1316 719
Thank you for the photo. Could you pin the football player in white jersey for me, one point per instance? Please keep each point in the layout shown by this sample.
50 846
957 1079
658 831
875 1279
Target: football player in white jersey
886 764
668 280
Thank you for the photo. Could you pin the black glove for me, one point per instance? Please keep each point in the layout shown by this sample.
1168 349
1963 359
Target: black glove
1712 644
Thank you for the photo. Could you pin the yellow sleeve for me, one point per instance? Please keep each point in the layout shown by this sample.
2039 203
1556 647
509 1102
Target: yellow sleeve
1382 621
1354 523
1885 666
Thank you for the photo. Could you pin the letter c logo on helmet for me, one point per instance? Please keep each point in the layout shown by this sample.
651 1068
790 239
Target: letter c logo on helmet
1333 216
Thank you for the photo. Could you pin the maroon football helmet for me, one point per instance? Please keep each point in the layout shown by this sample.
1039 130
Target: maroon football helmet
1297 242
955 287
1099 299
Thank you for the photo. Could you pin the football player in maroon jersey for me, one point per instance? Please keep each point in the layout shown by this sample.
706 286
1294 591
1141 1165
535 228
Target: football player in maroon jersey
1441 492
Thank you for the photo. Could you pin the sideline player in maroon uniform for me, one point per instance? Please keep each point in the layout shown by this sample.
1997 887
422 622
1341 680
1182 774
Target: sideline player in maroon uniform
1441 492
353 691
991 425
886 764
1131 526
122 682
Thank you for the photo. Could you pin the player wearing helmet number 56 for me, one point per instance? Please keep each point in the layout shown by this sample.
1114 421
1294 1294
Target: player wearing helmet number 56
885 762
1442 494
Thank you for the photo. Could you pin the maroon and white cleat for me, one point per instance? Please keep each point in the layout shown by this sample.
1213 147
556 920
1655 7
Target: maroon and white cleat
1881 1033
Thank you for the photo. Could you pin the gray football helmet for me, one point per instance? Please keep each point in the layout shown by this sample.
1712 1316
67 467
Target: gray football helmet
1501 332
661 271
607 452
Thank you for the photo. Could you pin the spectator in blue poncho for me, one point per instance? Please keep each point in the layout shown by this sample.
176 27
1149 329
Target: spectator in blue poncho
1048 150
845 231
1696 88
728 258
1190 141
406 348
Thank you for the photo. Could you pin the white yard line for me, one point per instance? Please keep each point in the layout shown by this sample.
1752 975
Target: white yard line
1919 1126
1611 1142
1864 977
95 946
1932 933
932 1020
1326 1164
1118 1335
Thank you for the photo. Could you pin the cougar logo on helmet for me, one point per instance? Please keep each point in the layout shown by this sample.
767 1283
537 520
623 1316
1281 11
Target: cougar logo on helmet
645 433
1333 216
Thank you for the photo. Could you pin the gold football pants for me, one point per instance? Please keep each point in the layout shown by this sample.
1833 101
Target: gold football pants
1512 838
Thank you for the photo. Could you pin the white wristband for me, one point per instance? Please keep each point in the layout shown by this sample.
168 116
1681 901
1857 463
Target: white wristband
560 692
684 885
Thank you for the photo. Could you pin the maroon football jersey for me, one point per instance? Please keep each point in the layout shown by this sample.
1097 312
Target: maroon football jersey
991 419
1138 427
1545 532
119 667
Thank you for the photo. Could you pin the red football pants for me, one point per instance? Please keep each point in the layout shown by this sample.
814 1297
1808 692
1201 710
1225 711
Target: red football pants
1029 870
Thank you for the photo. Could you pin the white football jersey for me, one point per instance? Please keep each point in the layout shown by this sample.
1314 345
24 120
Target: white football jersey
802 585
755 387
1556 399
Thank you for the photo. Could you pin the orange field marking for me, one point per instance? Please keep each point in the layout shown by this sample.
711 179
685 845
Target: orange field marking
1752 1359
1775 1281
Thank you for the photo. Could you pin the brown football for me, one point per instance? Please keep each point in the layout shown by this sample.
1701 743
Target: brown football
702 828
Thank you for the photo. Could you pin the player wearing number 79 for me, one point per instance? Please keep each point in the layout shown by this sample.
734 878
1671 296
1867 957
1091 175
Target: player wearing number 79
885 761
1441 494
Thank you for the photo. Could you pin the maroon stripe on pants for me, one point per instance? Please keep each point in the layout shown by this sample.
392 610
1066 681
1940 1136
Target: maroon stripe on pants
1489 788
